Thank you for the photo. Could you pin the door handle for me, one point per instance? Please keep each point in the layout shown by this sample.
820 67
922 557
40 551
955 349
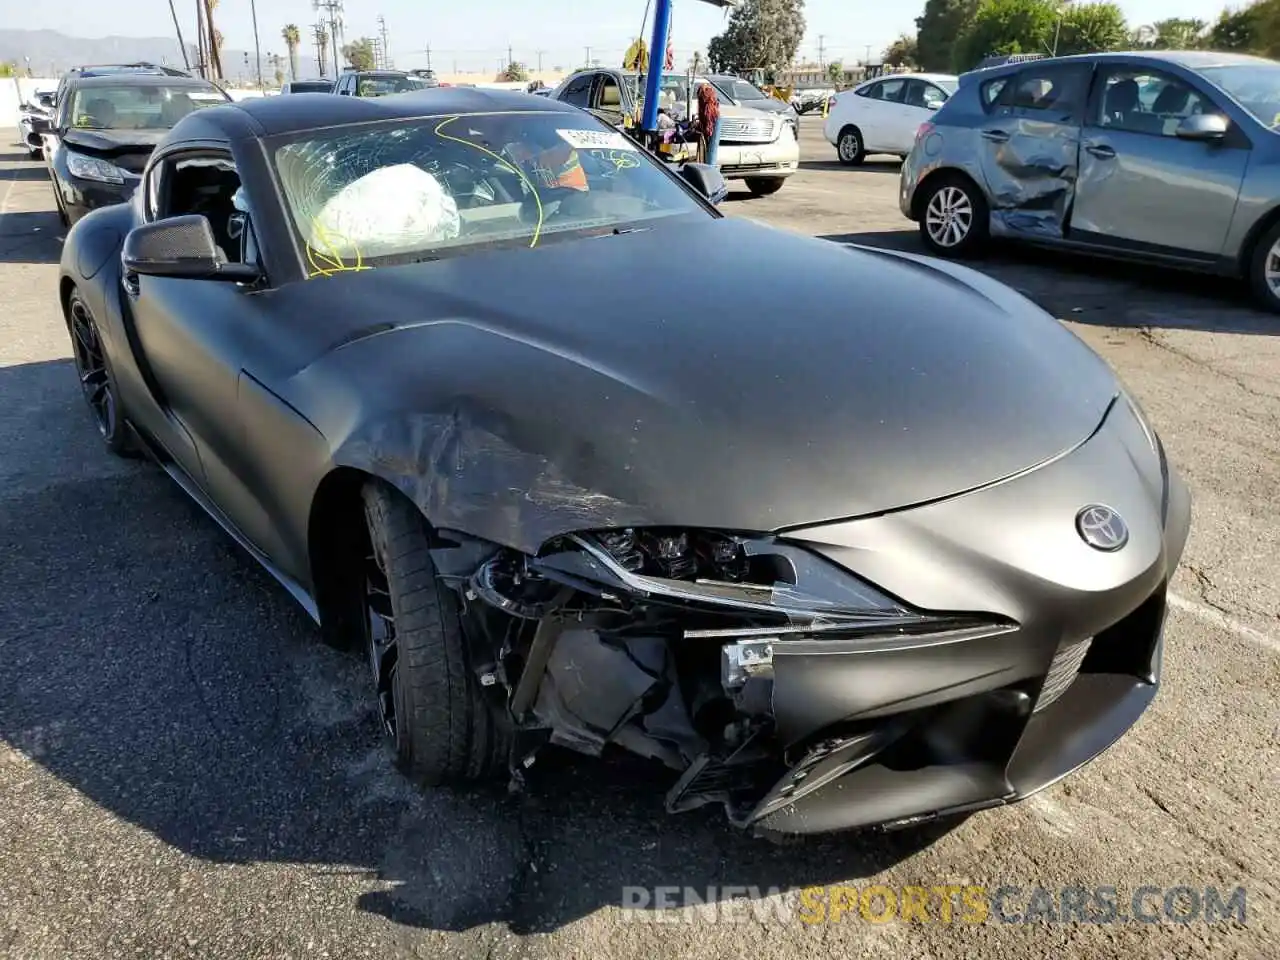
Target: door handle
1101 151
995 136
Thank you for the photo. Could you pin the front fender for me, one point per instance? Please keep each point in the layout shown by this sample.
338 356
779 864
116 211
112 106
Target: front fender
465 473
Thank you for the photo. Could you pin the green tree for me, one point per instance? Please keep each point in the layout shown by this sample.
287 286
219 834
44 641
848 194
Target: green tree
1092 27
1178 33
1235 30
937 29
292 39
902 52
1006 26
8 70
761 34
360 53
516 72
835 73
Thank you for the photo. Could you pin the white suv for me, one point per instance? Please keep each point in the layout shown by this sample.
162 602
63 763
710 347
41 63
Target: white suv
883 115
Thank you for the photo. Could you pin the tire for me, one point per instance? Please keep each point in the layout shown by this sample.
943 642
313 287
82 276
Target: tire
97 382
763 186
961 221
429 698
849 146
1266 259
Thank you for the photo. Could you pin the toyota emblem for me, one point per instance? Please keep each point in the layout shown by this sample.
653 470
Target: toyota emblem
1101 528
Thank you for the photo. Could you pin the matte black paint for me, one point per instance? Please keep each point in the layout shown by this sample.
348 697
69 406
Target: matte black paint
911 420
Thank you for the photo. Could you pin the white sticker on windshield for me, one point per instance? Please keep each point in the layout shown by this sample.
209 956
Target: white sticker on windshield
596 140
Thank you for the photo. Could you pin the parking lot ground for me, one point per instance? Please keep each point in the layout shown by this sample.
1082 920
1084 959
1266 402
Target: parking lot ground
187 772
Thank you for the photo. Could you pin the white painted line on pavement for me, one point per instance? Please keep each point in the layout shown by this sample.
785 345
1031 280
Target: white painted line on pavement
1220 619
13 182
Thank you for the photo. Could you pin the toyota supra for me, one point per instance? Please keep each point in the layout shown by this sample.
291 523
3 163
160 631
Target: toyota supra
574 461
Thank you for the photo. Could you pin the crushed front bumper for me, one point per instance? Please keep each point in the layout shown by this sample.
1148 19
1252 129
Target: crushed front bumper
913 729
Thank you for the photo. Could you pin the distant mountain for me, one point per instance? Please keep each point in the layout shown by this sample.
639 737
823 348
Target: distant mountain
51 53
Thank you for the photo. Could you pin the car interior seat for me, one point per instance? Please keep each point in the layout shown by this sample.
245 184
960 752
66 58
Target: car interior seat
1121 103
101 112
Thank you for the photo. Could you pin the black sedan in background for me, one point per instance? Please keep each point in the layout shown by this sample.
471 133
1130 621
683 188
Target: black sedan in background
865 541
106 128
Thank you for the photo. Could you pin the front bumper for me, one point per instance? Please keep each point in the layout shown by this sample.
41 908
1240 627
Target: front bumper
922 729
781 158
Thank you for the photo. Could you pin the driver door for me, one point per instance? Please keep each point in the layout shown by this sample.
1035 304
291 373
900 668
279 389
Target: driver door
195 337
1140 184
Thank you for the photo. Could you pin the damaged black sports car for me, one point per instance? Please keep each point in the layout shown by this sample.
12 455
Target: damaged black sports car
573 459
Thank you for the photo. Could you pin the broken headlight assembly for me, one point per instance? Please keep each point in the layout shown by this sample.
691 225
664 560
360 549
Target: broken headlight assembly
786 588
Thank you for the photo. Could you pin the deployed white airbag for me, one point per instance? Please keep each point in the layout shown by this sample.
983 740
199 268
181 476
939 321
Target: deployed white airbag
395 209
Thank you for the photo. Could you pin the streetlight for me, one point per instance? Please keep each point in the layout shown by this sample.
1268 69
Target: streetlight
257 50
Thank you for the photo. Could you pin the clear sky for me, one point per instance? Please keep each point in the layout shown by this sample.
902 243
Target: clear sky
475 34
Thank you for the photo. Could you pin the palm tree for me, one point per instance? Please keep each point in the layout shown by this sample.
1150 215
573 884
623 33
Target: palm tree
292 38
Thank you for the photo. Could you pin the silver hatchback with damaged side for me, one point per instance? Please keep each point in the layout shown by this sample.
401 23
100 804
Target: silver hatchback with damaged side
1167 156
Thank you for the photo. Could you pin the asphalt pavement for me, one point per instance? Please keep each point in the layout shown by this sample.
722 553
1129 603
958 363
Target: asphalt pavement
185 771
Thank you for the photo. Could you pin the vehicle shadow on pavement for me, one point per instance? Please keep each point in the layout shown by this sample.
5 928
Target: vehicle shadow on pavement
24 174
893 165
152 668
1108 293
30 237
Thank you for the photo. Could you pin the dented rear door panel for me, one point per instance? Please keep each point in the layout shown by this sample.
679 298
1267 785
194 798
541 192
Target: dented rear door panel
1030 149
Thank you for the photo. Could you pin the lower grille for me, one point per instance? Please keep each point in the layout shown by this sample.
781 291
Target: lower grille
1062 671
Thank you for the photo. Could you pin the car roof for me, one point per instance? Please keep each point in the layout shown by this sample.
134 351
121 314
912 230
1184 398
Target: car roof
275 116
1191 59
931 77
379 73
119 69
143 80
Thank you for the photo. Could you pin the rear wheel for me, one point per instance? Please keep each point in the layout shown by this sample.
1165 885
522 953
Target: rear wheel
96 381
763 186
849 147
1264 270
429 698
954 221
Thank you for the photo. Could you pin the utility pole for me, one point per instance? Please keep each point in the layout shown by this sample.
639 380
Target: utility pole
257 49
178 29
822 62
588 60
332 10
386 48
509 56
867 59
321 42
540 53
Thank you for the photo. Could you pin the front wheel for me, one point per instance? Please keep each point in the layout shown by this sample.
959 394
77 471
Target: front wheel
429 699
954 221
96 380
763 186
1264 270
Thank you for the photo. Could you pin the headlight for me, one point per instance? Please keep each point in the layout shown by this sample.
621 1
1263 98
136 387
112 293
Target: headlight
772 587
92 168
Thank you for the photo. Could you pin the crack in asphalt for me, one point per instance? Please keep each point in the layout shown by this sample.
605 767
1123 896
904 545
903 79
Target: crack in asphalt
1149 335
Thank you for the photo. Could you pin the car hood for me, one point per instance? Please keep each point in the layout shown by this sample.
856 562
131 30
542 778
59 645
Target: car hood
724 374
108 142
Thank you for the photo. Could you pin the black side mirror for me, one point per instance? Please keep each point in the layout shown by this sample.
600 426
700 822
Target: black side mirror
181 247
706 179
1202 126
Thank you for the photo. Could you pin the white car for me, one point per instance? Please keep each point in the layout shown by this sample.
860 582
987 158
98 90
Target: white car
883 115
